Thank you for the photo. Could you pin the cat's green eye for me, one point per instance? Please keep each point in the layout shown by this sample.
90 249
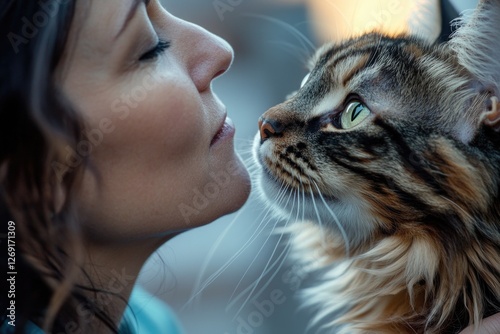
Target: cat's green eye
354 114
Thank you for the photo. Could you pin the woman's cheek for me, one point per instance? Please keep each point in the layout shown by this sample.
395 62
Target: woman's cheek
174 115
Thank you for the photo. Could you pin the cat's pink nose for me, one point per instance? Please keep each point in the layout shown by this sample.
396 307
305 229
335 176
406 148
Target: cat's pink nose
269 128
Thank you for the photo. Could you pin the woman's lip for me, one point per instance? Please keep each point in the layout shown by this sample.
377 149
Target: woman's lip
225 131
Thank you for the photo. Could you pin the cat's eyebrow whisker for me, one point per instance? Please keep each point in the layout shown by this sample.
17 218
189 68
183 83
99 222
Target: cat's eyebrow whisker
295 32
346 22
299 54
335 218
270 257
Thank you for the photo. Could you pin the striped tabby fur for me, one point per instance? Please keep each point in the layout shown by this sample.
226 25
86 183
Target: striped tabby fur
402 211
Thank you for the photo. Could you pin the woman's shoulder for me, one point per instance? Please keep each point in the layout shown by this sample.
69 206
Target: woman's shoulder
144 314
6 328
147 314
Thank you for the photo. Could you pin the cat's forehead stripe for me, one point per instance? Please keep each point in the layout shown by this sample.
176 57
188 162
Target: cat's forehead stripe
362 61
368 42
333 99
371 46
337 53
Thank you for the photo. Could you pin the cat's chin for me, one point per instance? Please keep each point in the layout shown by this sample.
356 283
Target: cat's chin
338 215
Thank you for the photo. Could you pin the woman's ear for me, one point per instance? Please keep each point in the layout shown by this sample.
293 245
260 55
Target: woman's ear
477 45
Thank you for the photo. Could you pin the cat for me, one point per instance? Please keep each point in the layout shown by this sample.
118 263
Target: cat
389 155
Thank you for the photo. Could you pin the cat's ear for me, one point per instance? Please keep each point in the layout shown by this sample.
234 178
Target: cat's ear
491 117
290 95
477 44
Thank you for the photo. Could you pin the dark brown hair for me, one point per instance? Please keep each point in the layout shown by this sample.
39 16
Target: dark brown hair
37 126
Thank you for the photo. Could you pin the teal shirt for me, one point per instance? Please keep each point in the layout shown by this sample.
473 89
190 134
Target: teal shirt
145 315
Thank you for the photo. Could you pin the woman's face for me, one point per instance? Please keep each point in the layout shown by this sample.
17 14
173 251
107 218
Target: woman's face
161 149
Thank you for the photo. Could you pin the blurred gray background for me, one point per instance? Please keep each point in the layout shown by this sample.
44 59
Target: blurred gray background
272 42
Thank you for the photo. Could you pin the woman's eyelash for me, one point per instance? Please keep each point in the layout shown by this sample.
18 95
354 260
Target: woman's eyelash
156 51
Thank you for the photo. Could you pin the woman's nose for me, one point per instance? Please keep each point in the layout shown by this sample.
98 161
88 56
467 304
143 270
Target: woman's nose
210 56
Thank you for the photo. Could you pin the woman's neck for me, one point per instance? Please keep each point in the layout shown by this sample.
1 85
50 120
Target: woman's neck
112 271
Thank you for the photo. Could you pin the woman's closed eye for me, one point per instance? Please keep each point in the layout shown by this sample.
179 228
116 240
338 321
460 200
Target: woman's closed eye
157 51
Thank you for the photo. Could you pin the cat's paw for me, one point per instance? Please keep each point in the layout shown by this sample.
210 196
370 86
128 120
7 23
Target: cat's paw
491 117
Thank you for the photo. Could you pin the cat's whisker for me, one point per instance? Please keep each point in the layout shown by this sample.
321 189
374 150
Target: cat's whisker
303 197
252 166
297 191
305 42
246 143
270 257
253 170
345 22
320 222
248 160
280 257
245 153
300 55
243 144
335 218
280 261
199 287
264 243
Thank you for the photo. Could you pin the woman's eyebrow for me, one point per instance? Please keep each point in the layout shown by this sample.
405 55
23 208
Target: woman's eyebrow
130 14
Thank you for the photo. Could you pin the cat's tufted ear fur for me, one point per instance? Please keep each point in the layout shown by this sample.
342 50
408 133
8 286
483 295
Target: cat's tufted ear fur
491 118
477 45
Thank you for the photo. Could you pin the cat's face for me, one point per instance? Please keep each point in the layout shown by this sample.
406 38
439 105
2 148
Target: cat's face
382 134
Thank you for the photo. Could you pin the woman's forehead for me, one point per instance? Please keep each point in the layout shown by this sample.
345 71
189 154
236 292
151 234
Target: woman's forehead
104 21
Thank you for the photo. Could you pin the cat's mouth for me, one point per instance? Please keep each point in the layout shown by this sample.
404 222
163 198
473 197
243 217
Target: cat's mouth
288 166
287 174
